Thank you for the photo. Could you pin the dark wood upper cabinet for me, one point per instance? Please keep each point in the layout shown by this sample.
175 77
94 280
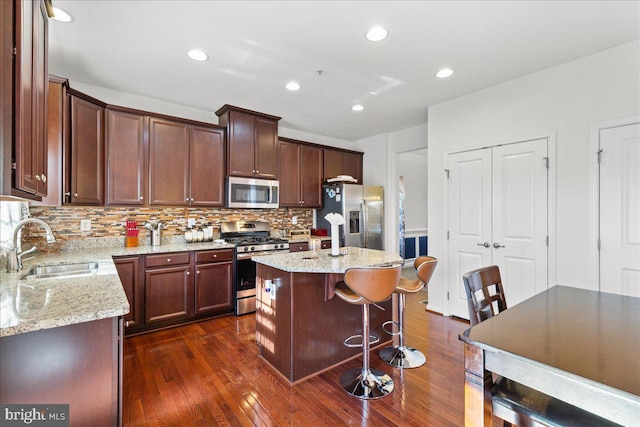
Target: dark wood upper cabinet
252 142
300 174
168 162
84 158
207 166
186 164
126 161
30 87
342 162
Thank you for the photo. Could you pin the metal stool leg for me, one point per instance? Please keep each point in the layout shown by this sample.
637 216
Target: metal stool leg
366 383
402 356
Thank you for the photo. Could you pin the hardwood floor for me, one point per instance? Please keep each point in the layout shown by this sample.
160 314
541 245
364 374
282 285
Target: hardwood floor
209 373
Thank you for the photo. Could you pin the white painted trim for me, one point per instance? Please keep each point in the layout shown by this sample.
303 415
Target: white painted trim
392 197
594 178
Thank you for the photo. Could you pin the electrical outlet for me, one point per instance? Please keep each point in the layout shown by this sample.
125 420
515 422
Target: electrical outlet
85 225
294 220
191 222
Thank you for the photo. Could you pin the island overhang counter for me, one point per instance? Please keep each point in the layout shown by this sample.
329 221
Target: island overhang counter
300 325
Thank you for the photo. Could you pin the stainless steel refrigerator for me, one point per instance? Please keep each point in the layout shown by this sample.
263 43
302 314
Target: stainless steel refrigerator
362 207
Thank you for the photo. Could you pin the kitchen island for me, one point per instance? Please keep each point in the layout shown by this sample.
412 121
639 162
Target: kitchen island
300 324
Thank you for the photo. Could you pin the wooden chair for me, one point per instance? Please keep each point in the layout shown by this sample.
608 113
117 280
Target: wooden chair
364 286
493 301
511 401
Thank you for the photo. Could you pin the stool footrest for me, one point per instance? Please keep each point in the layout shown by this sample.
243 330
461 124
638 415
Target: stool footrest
372 340
392 323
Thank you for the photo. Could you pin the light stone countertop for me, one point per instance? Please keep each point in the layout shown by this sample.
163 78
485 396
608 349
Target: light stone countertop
323 262
31 305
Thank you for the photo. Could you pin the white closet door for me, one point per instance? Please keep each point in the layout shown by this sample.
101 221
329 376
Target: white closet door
620 210
469 190
519 218
497 199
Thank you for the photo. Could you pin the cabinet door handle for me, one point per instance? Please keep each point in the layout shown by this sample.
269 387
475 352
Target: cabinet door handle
75 194
38 178
215 256
188 273
44 178
168 259
141 198
127 323
197 272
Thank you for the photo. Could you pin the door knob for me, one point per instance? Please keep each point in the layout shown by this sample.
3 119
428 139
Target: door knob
498 245
485 244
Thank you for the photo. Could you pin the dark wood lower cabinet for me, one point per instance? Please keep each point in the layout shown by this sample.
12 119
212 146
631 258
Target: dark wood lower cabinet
167 293
212 290
129 271
79 365
169 289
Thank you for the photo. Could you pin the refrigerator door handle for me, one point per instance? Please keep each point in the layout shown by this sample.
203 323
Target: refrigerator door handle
365 223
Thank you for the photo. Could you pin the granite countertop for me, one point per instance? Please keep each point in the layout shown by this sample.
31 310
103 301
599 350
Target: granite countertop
323 262
31 305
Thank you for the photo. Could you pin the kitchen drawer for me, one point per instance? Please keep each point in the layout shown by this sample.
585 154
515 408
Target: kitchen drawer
214 256
163 260
298 247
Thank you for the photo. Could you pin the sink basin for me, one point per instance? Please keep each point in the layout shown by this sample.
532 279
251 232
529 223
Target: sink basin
61 270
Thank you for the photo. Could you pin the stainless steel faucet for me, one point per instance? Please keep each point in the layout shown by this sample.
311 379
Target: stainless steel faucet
15 254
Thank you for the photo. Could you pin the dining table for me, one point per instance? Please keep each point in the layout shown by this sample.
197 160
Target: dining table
576 345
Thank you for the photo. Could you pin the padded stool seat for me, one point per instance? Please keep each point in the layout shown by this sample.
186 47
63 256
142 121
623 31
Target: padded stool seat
401 356
364 286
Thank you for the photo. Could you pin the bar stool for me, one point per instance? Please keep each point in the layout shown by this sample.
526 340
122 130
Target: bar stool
401 356
364 286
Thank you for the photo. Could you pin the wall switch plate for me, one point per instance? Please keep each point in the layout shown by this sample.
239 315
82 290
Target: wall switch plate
191 222
85 225
294 220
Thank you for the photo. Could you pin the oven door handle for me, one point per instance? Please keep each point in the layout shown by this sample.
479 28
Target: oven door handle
247 255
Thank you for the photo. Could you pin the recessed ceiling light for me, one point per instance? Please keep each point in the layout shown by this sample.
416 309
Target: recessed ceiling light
444 73
293 86
376 34
61 15
197 55
357 107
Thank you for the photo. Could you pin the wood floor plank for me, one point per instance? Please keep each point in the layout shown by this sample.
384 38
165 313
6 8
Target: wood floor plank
210 373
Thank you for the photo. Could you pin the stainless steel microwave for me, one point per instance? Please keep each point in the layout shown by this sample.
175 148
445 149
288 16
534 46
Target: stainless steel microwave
252 193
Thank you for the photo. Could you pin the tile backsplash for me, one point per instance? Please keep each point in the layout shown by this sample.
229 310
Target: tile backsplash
108 223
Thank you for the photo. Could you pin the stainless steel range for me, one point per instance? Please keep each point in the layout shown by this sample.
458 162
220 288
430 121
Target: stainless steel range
251 238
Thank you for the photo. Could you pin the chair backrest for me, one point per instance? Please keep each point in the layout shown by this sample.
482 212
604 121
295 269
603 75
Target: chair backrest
375 284
425 266
487 280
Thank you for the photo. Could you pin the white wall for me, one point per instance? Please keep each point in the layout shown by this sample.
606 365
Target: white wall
158 106
381 154
563 101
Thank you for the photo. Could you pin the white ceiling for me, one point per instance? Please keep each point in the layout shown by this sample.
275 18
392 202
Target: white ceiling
256 47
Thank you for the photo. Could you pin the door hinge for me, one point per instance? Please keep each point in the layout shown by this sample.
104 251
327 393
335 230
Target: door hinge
599 156
447 172
547 240
447 294
447 234
15 51
14 166
546 162
599 243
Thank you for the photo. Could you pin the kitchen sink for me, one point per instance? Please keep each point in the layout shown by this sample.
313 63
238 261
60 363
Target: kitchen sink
61 270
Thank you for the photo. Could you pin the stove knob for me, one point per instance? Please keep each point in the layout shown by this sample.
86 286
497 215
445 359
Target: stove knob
246 249
253 248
